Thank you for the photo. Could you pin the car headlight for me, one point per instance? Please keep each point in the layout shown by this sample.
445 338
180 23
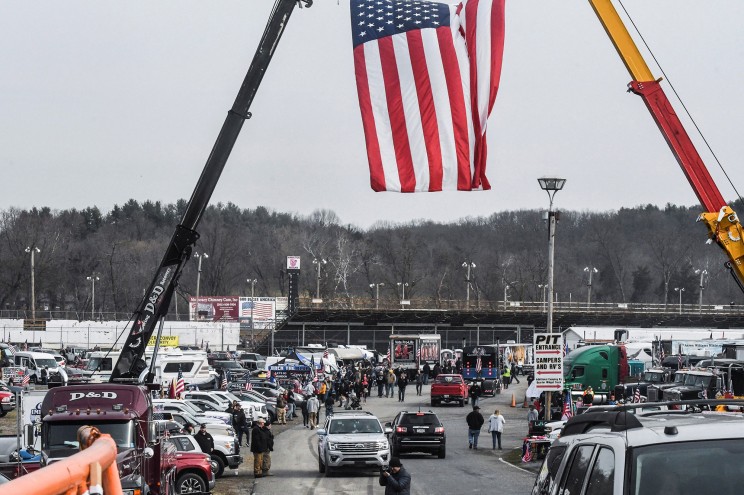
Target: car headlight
332 445
383 445
228 445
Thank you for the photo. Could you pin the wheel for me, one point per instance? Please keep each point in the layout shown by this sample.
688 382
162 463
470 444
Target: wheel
3 412
442 452
434 403
218 465
190 483
462 403
328 471
321 466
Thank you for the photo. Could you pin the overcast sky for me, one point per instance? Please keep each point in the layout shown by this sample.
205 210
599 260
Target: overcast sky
101 102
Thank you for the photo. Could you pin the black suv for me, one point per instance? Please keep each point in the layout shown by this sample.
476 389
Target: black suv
417 432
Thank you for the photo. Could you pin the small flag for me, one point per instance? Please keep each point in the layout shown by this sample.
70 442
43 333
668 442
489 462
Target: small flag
527 457
637 396
248 385
661 353
223 384
418 354
325 354
567 407
705 393
172 389
313 371
388 355
26 379
180 385
679 361
565 348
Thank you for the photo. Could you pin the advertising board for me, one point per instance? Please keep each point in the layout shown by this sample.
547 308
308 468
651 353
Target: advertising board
548 351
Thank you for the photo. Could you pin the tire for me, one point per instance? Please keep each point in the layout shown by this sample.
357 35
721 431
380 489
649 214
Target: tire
191 483
434 403
3 412
462 403
218 465
442 453
321 466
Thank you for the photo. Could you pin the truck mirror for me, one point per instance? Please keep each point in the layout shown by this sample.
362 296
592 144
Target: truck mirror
148 453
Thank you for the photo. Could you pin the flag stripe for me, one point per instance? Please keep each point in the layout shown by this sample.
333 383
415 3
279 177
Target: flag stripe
396 115
376 172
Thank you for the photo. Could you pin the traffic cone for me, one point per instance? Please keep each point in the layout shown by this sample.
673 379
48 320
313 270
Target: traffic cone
514 400
524 404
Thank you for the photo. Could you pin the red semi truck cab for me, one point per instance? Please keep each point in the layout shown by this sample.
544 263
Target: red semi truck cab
147 463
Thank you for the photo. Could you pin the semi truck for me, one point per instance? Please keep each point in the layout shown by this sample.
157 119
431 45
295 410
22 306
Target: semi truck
601 367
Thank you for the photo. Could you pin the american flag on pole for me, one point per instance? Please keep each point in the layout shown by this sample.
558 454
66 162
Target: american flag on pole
527 456
325 354
223 383
637 396
248 385
567 407
388 355
180 385
679 361
565 349
427 75
661 353
26 379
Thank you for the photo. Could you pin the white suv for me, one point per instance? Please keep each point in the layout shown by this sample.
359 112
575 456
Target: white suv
619 451
352 438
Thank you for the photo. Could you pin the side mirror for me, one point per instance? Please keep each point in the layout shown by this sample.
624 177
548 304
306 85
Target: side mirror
388 429
321 432
148 453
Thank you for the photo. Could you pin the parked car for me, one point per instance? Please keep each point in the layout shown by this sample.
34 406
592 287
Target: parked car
354 439
417 431
7 400
449 388
199 479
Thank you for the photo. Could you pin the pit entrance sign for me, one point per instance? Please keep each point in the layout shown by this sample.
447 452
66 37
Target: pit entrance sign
548 352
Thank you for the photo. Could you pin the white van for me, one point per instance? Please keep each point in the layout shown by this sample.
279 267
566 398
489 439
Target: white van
41 366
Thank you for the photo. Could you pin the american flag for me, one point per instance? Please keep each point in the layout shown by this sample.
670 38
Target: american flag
527 457
565 349
26 379
12 348
418 354
637 396
679 361
180 385
661 353
325 354
248 385
223 383
261 310
427 75
567 407
388 355
313 371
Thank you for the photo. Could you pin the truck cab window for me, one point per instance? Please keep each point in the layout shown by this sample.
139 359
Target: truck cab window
577 471
603 473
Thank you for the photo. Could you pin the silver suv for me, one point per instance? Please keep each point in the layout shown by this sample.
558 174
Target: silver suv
698 450
352 438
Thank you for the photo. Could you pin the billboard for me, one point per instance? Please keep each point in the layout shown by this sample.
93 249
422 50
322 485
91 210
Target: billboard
404 351
429 347
548 361
214 308
259 312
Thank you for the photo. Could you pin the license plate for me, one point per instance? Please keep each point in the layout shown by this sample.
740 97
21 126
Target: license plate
420 430
446 396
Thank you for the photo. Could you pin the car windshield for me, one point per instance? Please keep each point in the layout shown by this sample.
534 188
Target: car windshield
653 377
229 365
46 362
95 362
419 419
698 380
679 377
361 425
64 435
683 468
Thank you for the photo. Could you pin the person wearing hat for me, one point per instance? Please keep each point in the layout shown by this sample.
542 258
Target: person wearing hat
259 445
396 479
240 424
204 439
475 423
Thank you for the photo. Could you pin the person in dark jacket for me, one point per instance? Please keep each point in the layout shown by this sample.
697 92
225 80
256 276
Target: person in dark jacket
402 384
396 481
240 424
259 445
475 392
266 463
204 439
475 422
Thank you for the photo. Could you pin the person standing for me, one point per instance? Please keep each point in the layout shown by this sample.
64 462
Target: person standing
313 406
390 382
259 445
506 377
281 410
266 461
496 426
291 404
239 424
305 413
329 405
380 383
402 384
513 372
426 372
475 423
396 481
419 381
475 392
204 439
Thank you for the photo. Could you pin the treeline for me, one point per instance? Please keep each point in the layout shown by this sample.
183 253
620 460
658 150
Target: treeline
642 254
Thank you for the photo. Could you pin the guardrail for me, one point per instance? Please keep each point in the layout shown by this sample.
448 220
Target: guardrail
91 469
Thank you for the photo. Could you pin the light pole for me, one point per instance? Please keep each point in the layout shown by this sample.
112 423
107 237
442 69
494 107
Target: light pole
93 279
403 285
544 288
680 290
319 262
591 271
252 281
33 250
377 293
468 265
702 273
198 279
506 291
551 186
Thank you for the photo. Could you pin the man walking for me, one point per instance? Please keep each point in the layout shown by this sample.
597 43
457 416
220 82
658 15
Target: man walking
266 460
204 439
475 422
313 406
259 445
396 481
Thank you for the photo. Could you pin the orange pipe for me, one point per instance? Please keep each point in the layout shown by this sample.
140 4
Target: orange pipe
67 475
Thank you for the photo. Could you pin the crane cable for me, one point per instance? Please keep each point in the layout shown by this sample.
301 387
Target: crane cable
694 123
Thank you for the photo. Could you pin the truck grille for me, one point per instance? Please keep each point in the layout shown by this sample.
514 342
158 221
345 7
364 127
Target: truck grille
358 447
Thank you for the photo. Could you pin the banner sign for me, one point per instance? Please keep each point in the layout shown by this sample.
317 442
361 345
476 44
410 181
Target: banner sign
548 361
258 312
214 308
165 341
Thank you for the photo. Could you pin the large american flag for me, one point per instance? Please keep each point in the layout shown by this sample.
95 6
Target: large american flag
567 406
180 385
427 75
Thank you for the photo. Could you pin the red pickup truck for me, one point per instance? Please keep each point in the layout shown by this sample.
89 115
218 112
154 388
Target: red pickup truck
449 388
